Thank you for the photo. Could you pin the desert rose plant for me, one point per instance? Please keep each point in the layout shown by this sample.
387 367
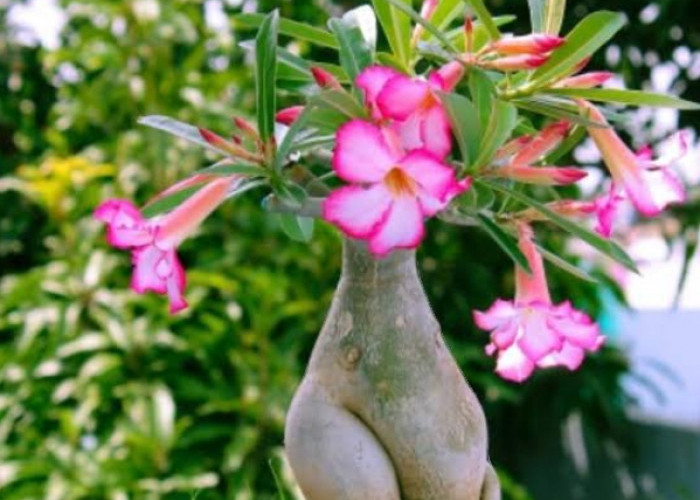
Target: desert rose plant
454 120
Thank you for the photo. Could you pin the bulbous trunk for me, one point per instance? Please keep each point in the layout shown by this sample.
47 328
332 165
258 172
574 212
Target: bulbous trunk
383 412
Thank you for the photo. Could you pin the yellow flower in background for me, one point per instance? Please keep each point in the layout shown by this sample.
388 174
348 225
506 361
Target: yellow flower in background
51 183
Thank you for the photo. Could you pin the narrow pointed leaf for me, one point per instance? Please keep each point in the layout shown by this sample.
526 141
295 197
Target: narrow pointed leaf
507 243
631 97
266 74
355 53
397 28
607 247
179 129
554 16
585 39
565 265
417 18
300 31
465 125
500 125
296 227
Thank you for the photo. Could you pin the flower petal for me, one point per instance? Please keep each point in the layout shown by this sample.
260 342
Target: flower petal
357 211
402 96
402 228
371 81
500 313
436 178
538 339
651 191
361 153
126 227
570 356
513 365
436 132
148 264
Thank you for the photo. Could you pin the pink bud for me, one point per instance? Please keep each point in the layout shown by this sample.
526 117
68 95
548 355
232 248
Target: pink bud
543 176
540 145
586 80
530 44
324 79
450 74
516 63
287 116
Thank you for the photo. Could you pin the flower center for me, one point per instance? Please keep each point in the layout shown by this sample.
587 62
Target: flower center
428 102
399 183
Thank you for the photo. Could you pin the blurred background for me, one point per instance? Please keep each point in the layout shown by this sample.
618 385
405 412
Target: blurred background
104 396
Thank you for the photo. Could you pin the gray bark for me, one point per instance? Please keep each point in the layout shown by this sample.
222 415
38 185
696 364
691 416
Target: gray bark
383 412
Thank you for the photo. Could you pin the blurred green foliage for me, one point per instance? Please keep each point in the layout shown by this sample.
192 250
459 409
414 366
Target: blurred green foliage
105 396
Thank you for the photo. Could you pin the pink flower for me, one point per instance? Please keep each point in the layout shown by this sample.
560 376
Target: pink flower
412 105
650 184
530 331
153 241
391 192
604 207
514 160
530 44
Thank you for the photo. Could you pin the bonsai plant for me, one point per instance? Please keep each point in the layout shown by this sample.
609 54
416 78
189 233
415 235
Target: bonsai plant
456 121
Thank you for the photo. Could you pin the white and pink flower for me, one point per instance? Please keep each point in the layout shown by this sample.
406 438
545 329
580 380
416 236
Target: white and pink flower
531 331
411 105
649 184
392 191
153 241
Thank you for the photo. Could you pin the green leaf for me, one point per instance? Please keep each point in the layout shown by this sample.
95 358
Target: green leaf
465 125
502 120
482 91
168 202
340 101
417 18
554 16
446 12
226 167
507 243
179 129
556 108
300 31
537 14
296 227
631 97
607 247
485 17
278 481
355 53
397 28
565 265
266 74
481 36
586 38
546 16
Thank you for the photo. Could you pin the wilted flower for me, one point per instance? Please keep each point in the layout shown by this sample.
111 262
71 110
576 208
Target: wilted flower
532 332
